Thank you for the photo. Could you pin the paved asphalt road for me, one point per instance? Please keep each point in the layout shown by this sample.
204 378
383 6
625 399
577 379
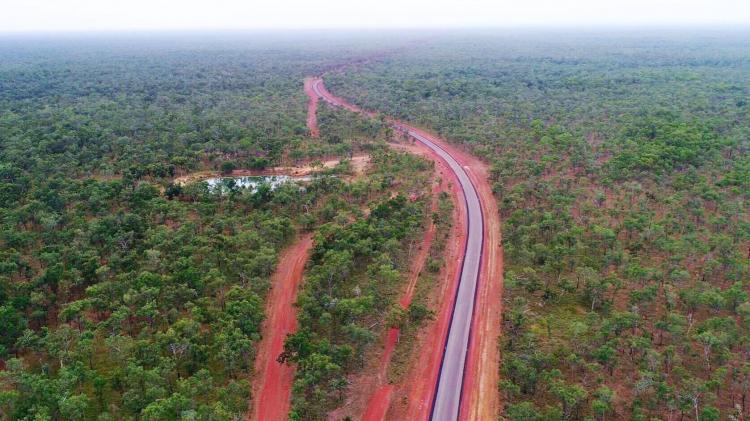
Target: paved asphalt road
448 395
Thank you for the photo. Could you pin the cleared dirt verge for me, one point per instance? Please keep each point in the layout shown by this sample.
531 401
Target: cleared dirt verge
481 397
272 385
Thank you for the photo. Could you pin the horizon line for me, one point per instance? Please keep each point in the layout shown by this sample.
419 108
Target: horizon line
568 26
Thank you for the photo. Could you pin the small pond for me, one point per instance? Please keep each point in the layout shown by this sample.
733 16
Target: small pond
251 182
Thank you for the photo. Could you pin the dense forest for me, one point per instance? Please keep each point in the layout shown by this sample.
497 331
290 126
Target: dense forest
124 295
620 163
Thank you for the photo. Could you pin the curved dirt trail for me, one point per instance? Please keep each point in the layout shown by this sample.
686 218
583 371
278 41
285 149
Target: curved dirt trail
272 386
478 398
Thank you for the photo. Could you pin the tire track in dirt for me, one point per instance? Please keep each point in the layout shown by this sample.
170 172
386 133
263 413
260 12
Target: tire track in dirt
272 385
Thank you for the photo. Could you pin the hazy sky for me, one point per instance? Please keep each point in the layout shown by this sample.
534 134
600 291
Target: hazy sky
54 15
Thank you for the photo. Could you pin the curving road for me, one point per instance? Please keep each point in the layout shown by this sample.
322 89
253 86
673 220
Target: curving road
447 400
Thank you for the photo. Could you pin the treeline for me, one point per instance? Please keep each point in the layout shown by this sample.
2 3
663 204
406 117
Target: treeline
634 283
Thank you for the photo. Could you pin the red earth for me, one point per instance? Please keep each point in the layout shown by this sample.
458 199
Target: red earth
273 381
480 394
312 108
480 397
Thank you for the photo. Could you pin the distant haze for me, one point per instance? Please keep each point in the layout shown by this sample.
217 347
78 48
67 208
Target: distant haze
87 15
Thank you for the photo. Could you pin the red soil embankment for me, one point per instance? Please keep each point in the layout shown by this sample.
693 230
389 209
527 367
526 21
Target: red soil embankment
312 108
273 382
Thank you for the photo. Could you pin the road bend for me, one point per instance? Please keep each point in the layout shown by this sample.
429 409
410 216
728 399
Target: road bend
447 399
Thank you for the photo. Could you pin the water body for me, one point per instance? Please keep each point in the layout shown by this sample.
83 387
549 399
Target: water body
226 184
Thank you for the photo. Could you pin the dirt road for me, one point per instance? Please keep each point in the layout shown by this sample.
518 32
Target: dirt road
273 381
312 108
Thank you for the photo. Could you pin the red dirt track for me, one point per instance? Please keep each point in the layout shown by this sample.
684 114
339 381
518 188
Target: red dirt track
312 108
480 400
273 382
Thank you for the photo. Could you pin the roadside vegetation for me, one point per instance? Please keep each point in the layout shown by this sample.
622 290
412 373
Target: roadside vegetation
620 163
356 272
420 309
